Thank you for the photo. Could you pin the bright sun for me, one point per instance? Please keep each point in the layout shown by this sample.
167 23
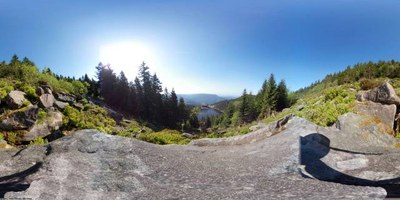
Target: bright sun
126 56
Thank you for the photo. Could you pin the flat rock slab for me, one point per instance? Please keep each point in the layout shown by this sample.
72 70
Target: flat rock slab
93 165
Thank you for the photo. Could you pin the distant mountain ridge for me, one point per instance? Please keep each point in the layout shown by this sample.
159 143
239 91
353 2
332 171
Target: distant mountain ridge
201 98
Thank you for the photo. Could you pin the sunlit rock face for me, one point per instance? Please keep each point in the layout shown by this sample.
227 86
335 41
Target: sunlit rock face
264 164
383 94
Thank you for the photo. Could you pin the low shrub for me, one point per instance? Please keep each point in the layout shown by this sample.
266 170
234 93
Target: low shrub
165 136
41 116
5 88
38 141
30 92
367 84
13 138
124 133
93 117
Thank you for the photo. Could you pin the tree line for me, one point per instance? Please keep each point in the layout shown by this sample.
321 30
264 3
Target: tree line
271 98
358 72
143 99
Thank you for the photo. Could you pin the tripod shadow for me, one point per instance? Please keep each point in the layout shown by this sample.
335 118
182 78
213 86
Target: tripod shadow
315 146
16 182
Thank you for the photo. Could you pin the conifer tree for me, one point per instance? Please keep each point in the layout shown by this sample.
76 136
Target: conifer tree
268 103
244 107
282 96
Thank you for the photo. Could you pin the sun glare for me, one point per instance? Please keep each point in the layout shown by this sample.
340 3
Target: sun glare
126 56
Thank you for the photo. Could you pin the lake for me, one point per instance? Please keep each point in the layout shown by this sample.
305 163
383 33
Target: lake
206 111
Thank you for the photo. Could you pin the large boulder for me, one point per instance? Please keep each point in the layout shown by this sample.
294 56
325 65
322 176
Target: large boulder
39 91
19 120
60 105
382 113
16 99
383 94
52 123
365 128
65 97
46 100
47 89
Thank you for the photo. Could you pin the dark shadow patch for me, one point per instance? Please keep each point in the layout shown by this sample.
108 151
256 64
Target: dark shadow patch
18 152
16 182
315 146
49 149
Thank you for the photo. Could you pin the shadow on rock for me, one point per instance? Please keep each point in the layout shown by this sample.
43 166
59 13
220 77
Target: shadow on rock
16 182
315 146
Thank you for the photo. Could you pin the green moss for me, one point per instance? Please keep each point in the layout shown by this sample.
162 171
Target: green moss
38 141
165 136
13 138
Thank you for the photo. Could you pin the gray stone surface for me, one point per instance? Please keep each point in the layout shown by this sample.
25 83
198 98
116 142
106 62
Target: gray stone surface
60 105
52 123
363 129
92 165
257 126
382 94
65 97
23 119
15 99
78 106
188 135
46 100
384 113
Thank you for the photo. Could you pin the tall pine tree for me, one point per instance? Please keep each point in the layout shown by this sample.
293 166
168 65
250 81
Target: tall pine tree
282 96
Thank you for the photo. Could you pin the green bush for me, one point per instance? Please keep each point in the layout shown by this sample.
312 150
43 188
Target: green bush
124 133
30 92
1 136
367 84
79 88
62 85
38 141
5 87
13 138
325 110
131 128
93 117
42 115
165 136
323 107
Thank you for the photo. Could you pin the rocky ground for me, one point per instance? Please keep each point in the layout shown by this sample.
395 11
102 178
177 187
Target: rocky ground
289 159
285 163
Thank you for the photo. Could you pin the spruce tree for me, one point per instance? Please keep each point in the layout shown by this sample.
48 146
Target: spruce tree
269 98
282 96
244 107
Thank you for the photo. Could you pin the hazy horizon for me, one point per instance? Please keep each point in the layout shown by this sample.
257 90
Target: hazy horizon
215 47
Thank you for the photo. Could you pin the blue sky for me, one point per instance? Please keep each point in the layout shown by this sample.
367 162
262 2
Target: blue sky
208 46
